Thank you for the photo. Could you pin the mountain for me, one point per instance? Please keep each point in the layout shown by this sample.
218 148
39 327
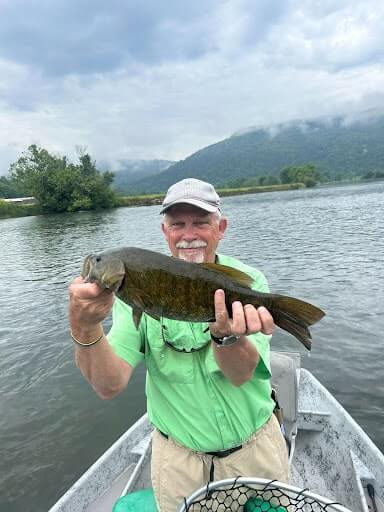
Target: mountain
131 171
337 148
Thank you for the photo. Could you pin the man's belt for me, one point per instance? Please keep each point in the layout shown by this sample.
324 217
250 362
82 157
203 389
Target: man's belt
220 454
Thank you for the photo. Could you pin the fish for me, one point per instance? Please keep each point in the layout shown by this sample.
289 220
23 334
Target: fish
165 286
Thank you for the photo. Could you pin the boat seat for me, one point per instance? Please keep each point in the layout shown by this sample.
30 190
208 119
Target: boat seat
143 501
284 367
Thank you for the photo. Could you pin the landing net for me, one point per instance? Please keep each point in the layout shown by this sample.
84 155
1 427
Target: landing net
256 495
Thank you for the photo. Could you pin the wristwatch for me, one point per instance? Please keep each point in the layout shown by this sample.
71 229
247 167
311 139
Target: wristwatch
225 341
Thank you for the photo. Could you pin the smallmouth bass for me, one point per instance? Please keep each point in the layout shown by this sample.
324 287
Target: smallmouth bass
164 286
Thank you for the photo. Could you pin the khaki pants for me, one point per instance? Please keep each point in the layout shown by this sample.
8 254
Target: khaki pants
178 471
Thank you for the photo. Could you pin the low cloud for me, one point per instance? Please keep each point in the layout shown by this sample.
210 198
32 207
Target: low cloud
142 80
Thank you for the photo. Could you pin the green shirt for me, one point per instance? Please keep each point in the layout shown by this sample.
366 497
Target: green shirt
188 397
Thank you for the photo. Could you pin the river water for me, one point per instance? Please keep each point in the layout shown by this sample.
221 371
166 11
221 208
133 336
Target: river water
325 245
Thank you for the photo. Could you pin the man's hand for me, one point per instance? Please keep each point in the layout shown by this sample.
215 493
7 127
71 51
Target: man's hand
238 361
89 305
245 319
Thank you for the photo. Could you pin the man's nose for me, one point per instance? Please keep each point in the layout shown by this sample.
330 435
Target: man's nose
189 233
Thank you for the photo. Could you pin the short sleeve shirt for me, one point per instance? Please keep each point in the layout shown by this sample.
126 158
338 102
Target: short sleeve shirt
188 396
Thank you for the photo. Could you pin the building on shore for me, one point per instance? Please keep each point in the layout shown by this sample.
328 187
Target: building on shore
21 200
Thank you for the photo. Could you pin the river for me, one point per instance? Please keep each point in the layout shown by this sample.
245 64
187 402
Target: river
325 245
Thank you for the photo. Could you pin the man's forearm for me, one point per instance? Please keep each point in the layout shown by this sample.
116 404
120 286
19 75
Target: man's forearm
107 373
238 361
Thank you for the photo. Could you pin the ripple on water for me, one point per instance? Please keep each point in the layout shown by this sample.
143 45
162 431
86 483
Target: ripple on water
323 245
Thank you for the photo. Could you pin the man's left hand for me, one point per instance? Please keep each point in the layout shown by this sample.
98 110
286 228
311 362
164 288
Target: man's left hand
245 319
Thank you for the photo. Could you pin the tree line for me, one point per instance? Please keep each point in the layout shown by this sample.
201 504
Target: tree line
57 184
61 186
307 174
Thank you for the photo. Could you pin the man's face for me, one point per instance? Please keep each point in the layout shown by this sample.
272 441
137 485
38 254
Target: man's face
193 234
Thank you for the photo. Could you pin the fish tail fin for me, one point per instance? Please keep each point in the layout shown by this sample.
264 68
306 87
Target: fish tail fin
294 316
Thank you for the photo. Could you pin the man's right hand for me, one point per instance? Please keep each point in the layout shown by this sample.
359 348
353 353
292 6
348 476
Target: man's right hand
89 305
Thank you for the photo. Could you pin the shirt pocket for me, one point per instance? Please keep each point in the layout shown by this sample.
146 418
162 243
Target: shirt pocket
165 363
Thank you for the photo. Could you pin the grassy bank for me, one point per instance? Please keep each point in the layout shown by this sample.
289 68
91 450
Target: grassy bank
8 210
154 199
255 190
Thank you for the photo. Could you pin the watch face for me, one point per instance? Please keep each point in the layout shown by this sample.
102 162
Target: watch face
230 340
225 340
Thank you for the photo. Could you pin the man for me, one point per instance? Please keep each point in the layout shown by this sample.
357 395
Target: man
208 386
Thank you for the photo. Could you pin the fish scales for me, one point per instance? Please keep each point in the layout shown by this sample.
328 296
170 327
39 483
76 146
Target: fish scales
181 293
169 287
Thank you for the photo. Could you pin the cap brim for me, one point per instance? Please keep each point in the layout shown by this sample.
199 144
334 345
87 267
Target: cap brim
210 208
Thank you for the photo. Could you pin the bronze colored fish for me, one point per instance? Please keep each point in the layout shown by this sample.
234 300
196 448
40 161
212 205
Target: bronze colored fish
164 286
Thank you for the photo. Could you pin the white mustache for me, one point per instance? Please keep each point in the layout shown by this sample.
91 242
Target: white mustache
195 244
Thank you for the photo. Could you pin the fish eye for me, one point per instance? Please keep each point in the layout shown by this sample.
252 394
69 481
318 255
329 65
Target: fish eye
98 259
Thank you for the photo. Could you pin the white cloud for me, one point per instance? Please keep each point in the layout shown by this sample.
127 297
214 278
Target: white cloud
321 37
241 64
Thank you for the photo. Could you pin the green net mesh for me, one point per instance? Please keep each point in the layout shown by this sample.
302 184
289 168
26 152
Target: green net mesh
256 495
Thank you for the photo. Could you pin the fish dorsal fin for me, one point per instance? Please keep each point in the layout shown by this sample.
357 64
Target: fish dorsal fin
136 315
233 273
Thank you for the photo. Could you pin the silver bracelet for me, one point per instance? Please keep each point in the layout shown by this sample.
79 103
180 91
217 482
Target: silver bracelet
86 344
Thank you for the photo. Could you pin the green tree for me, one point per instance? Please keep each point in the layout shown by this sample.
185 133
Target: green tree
307 174
8 188
60 186
373 175
268 180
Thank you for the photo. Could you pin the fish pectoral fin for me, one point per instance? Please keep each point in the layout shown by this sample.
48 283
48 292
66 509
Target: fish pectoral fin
136 315
155 317
138 298
236 275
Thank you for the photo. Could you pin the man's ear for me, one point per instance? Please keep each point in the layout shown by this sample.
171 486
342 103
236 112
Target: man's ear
164 230
223 223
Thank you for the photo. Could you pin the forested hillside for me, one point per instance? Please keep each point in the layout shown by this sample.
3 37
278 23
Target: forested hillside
131 171
338 150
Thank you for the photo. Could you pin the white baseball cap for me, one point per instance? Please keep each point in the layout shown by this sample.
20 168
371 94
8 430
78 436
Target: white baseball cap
192 191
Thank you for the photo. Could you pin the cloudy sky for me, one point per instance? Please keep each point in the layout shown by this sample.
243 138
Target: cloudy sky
138 79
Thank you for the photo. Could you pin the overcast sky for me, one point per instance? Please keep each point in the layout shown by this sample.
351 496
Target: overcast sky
139 79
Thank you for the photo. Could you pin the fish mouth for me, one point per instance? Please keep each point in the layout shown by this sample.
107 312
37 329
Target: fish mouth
87 268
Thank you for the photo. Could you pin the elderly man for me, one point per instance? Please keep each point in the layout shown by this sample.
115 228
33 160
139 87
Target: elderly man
208 385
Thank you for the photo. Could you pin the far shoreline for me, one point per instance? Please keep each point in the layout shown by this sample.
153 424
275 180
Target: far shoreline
157 199
8 210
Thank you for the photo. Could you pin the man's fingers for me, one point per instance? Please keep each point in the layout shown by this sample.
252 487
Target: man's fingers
245 319
221 325
268 325
252 318
239 323
221 313
85 290
78 280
